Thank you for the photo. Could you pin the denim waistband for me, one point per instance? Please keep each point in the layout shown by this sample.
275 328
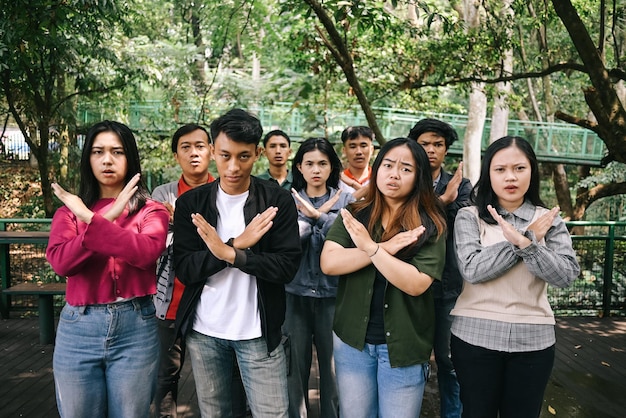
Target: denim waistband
134 303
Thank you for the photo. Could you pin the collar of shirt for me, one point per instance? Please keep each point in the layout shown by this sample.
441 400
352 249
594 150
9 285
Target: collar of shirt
436 181
524 212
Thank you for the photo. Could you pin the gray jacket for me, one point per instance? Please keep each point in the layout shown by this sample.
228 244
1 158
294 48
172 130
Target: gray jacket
165 266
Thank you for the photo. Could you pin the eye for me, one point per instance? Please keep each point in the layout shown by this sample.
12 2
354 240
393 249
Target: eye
244 157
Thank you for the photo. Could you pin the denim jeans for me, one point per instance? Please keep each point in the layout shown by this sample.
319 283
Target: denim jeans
264 375
171 362
500 384
106 359
309 321
449 392
370 387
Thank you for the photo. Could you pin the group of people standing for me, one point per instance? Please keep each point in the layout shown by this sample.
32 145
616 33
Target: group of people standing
373 265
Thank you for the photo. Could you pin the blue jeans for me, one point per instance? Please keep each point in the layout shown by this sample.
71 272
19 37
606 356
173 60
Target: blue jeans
370 387
309 321
449 392
106 359
264 375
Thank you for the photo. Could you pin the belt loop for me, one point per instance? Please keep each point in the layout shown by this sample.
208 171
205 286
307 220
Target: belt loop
82 309
137 303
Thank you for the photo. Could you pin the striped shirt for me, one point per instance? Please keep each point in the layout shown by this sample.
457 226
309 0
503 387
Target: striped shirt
555 263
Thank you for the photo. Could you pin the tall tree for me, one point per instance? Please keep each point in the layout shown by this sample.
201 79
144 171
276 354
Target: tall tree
53 51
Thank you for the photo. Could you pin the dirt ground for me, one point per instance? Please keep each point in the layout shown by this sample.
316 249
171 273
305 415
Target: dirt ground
19 183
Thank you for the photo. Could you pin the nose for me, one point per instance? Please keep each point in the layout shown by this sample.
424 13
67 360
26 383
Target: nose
233 165
107 158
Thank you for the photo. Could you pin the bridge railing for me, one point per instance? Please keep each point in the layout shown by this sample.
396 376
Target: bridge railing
557 142
599 290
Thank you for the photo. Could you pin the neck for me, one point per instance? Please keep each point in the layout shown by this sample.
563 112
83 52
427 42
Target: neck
278 171
315 191
109 192
435 172
194 181
359 173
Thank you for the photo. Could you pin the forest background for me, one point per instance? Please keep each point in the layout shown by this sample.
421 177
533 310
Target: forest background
531 60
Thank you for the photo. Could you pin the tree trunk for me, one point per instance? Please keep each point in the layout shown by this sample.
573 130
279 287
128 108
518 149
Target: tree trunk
477 109
500 116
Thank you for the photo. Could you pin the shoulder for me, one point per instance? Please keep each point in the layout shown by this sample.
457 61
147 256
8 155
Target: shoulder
164 189
264 175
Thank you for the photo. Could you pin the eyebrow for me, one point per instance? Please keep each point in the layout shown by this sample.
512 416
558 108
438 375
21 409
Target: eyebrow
401 162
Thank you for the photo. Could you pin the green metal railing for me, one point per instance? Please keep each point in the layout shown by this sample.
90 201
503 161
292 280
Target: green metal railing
553 142
599 290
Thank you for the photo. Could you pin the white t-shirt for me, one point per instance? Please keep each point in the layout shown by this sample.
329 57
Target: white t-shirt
228 307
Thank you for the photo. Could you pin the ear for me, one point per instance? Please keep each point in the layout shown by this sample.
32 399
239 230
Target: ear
258 152
211 152
298 166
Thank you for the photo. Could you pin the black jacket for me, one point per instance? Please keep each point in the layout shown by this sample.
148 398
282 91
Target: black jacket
274 260
451 282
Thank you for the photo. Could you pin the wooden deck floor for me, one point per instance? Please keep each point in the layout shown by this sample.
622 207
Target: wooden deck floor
588 381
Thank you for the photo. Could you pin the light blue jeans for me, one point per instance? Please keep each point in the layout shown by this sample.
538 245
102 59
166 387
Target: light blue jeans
449 390
370 387
264 376
106 360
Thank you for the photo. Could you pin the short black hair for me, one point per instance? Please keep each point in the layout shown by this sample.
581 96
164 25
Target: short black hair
239 126
436 126
184 130
352 132
276 132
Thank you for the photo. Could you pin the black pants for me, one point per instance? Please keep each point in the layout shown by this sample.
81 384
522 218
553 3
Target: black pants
492 382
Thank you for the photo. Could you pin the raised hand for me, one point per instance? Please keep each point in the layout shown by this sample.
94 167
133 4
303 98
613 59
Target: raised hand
543 223
123 198
73 203
452 189
510 233
350 182
255 230
326 207
305 207
402 239
212 240
170 209
358 233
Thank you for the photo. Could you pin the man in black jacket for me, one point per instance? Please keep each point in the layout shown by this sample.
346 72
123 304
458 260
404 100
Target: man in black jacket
454 191
236 244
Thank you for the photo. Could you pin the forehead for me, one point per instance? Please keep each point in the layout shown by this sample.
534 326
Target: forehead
509 156
400 153
430 137
107 139
224 144
359 140
277 140
314 155
195 136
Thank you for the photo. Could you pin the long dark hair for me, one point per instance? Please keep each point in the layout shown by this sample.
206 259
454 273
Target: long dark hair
422 206
483 194
89 190
325 148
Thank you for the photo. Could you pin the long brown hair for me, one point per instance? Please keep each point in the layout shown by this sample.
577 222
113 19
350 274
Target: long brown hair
422 206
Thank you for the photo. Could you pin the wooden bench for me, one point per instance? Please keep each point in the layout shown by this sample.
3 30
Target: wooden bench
45 292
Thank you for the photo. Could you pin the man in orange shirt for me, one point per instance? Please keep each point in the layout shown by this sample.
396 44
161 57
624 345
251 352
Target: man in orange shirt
190 145
358 148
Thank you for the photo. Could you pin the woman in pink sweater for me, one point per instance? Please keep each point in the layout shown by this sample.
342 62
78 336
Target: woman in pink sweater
106 241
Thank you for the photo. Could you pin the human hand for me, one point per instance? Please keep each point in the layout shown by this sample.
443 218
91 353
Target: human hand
350 182
543 223
123 198
255 230
510 233
73 203
305 207
452 189
212 240
170 209
358 233
402 240
326 207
